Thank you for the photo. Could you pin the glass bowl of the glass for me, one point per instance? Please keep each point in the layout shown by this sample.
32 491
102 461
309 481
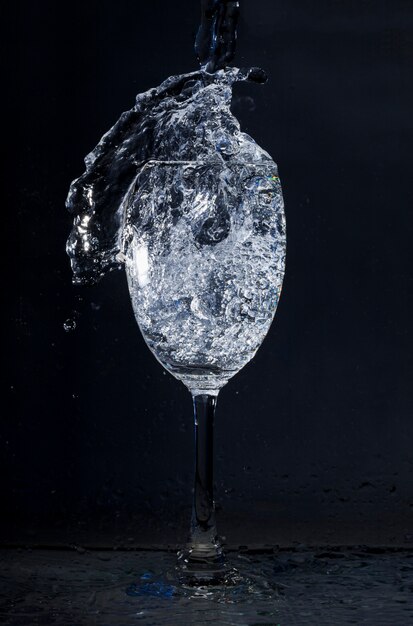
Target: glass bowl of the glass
205 253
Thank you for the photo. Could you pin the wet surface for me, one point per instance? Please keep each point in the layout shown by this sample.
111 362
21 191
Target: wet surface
108 588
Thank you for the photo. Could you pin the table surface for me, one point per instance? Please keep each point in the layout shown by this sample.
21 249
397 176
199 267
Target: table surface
278 587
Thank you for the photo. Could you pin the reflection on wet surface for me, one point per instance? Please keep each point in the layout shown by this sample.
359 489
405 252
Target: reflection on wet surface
109 588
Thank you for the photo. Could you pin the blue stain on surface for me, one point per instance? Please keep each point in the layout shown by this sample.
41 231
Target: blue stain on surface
150 589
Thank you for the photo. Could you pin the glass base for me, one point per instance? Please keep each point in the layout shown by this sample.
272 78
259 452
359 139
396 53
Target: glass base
238 580
202 564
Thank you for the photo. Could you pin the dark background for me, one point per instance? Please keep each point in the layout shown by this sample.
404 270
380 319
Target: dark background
314 439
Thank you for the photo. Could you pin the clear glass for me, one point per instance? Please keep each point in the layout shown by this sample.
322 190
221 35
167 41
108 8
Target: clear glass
205 262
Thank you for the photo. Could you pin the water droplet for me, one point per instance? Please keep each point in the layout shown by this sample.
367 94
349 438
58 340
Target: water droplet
69 325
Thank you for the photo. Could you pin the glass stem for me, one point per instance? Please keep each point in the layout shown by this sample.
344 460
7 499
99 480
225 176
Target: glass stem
204 544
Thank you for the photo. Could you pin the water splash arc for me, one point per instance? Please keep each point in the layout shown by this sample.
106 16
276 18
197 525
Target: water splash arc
186 118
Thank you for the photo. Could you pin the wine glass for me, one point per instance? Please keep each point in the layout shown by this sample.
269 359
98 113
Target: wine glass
205 254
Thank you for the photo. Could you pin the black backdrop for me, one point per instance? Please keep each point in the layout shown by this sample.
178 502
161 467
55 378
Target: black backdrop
314 438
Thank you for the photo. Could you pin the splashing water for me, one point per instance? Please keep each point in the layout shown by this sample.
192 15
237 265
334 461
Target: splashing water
186 118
